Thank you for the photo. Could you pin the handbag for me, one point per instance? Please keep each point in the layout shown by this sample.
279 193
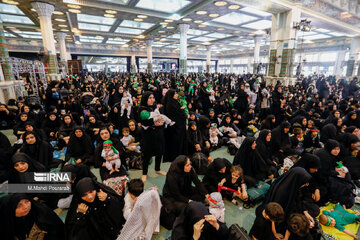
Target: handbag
238 233
36 233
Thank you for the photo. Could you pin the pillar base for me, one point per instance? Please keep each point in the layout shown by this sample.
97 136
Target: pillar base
285 81
53 77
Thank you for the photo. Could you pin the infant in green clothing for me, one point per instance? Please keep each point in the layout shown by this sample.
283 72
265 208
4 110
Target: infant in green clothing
338 217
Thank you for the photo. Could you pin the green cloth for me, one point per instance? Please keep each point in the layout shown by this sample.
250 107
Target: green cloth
341 216
109 142
144 115
183 103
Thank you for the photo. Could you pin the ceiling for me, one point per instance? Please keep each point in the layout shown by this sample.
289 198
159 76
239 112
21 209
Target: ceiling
227 26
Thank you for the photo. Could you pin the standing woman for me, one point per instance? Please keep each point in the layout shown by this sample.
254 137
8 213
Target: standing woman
153 141
175 135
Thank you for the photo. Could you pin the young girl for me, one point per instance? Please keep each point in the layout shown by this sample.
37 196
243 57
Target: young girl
112 157
126 103
235 182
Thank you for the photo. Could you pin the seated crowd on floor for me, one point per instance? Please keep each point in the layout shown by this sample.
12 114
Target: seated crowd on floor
301 142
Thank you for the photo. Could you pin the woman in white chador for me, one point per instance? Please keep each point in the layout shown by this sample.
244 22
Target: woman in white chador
144 219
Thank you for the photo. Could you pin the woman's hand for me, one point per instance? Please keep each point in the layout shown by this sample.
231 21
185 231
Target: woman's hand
82 208
212 220
198 228
207 144
316 195
101 195
312 222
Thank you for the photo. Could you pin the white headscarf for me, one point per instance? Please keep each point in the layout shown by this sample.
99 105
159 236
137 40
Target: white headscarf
144 220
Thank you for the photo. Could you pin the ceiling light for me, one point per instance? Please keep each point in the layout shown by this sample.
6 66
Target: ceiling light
64 30
169 20
175 17
33 10
170 27
143 47
140 36
164 23
111 11
73 6
141 16
74 11
125 45
162 31
220 3
77 42
162 40
58 13
60 20
163 36
221 29
202 25
138 20
109 15
237 31
206 43
157 38
198 21
187 19
10 2
214 15
99 37
62 25
234 7
260 32
201 12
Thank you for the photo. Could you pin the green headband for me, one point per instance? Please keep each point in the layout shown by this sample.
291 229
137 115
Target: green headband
109 143
339 165
328 220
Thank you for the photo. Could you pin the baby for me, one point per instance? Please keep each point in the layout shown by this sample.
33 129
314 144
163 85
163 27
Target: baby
126 103
157 117
111 155
341 170
214 132
128 140
216 206
338 218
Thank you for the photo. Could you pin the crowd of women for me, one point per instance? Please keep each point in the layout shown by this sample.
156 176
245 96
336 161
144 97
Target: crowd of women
302 139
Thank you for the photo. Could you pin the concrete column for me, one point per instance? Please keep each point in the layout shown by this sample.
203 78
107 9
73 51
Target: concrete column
133 63
149 43
184 28
338 64
6 73
231 65
250 62
353 58
208 58
44 11
283 40
62 45
257 40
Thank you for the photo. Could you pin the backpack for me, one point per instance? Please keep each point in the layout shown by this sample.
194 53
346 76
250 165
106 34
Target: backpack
238 233
256 194
200 163
342 191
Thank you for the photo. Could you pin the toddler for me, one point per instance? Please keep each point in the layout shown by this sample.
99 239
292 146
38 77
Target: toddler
216 206
157 117
126 103
128 140
214 132
111 155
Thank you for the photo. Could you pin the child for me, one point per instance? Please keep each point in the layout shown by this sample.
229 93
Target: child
341 170
157 117
299 225
214 132
111 155
216 206
338 217
235 182
135 188
264 225
183 102
297 140
126 103
127 140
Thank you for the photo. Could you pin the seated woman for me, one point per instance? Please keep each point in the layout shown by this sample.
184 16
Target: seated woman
19 128
218 170
312 139
100 162
263 146
280 141
22 165
20 217
66 127
80 148
95 212
39 150
252 163
194 140
178 190
93 127
6 152
51 125
30 126
230 129
195 222
353 164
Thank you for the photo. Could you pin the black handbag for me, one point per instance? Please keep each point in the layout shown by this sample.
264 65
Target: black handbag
238 233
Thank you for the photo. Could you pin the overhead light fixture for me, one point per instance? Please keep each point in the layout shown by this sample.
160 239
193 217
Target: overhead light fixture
260 32
111 11
202 25
187 19
140 36
237 31
206 43
142 16
198 21
138 20
220 3
109 15
33 10
125 45
77 42
157 38
99 37
74 6
64 30
163 36
169 20
58 13
175 17
201 12
221 29
10 2
234 7
60 20
74 11
162 31
214 15
164 23
170 27
62 25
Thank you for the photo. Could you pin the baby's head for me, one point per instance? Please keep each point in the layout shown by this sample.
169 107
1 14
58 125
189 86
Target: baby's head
107 148
213 126
125 132
341 169
216 201
327 220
